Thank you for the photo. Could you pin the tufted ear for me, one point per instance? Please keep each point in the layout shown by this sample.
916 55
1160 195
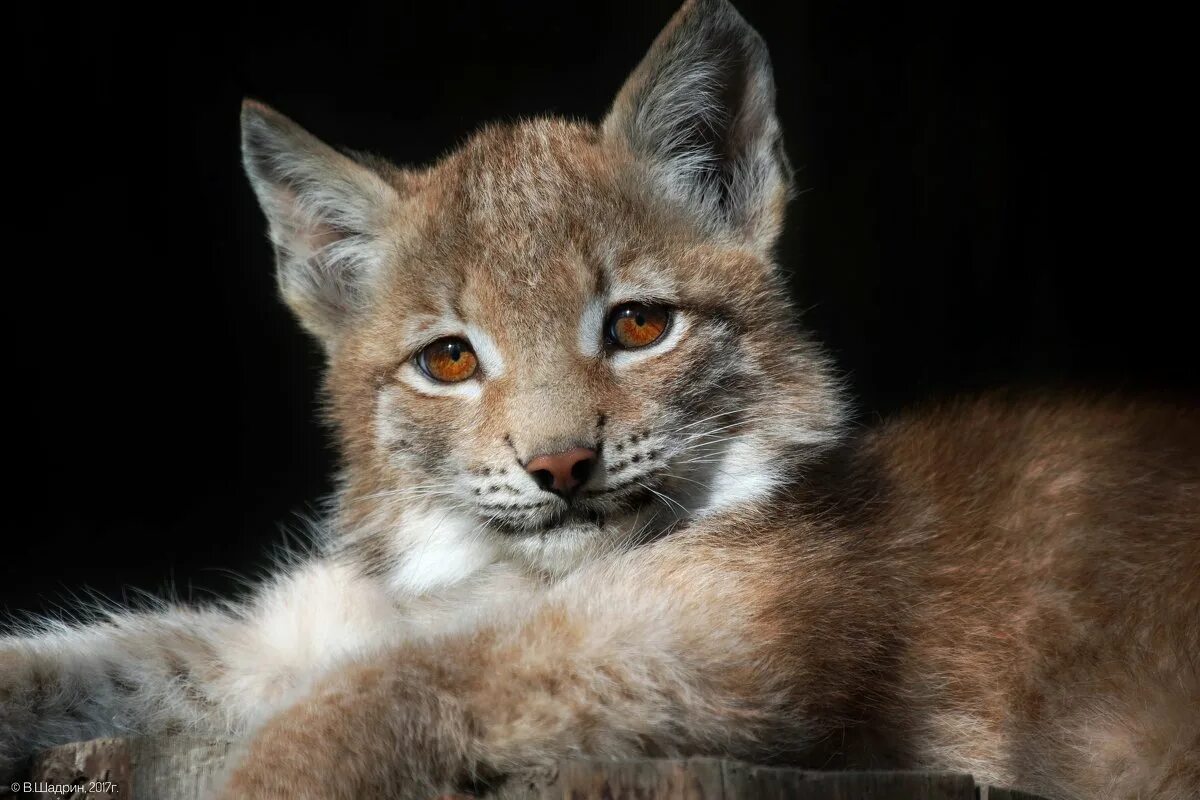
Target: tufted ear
327 213
699 111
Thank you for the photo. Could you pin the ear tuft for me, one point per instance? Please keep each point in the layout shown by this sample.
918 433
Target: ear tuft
700 112
326 213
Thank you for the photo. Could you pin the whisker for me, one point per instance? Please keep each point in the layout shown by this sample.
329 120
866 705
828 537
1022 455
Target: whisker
697 445
406 490
717 430
706 419
664 498
701 484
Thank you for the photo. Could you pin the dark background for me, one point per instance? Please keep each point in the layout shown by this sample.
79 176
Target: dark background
985 204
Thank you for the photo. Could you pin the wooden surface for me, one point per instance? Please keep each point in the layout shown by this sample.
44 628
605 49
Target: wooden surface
175 768
710 779
185 768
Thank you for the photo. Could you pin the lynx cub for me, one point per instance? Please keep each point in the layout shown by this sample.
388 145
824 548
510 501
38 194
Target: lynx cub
598 498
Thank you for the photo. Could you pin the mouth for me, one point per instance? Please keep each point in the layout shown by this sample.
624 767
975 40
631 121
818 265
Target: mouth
591 509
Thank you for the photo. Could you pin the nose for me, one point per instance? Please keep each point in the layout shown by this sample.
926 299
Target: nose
562 473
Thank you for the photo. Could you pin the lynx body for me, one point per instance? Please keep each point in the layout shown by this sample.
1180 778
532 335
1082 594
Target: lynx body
599 497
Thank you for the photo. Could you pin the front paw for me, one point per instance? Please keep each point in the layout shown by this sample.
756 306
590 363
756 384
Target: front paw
366 731
282 763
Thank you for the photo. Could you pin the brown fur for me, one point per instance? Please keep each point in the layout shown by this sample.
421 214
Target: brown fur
1015 596
1005 587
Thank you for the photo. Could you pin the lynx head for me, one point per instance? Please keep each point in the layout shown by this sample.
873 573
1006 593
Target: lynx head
562 337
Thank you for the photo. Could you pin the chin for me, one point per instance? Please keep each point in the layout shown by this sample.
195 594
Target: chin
565 546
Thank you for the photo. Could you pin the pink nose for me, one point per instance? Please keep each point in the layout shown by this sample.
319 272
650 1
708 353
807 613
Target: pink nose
562 473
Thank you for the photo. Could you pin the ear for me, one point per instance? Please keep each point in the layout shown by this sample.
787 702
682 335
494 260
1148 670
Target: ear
326 213
699 111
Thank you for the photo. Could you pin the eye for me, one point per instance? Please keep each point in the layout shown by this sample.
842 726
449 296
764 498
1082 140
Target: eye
448 360
634 325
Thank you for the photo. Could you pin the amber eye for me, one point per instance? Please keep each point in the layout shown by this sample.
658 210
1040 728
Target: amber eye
448 360
634 325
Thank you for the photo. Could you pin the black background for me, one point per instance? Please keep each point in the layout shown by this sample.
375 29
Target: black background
985 204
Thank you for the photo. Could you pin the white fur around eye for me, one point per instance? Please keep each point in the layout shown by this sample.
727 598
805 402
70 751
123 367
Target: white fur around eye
486 351
491 363
414 377
651 287
675 333
591 328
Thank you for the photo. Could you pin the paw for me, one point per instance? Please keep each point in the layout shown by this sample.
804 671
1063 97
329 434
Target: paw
280 764
297 764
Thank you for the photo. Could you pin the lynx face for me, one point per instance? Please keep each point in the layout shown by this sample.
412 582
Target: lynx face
561 337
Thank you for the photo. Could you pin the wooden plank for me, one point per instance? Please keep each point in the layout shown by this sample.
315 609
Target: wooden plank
183 768
706 779
773 783
996 793
177 767
661 779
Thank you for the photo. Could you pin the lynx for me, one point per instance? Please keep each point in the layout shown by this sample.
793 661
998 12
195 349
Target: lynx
600 497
